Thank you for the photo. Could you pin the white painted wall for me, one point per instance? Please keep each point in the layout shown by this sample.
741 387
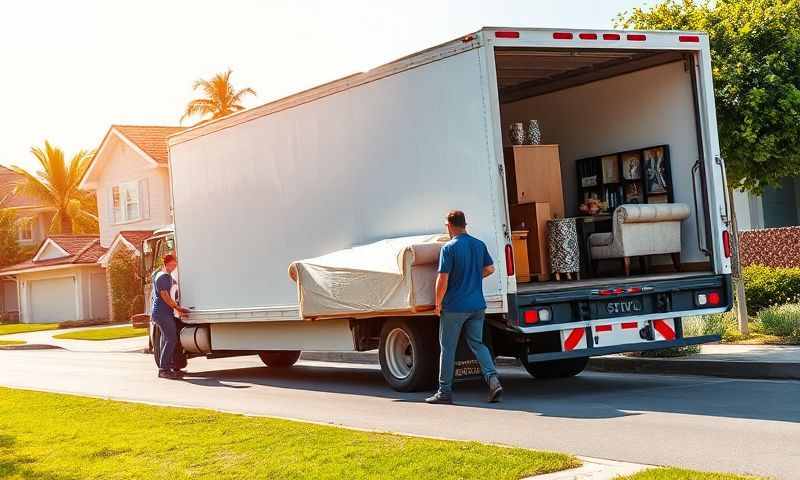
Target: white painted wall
645 108
84 307
124 165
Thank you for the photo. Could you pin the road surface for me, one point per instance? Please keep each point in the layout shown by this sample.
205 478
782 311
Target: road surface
743 426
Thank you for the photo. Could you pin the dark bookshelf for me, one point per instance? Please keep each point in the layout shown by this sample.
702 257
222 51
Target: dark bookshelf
632 176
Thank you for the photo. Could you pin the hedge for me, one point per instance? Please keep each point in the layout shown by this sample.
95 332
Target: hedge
125 277
767 286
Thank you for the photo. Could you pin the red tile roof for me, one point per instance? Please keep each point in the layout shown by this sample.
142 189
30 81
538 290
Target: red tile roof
81 249
8 181
136 237
151 139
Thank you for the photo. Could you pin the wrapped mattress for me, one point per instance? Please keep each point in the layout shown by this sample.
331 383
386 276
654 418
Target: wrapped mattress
396 275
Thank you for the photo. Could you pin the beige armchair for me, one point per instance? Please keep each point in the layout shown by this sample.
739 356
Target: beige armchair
639 231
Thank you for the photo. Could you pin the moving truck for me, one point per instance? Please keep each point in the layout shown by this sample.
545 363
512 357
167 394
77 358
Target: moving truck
388 152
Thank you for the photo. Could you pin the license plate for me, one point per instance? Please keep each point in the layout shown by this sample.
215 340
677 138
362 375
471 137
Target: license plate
622 307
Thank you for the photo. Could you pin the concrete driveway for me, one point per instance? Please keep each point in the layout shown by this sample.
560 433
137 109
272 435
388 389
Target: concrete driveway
743 426
45 337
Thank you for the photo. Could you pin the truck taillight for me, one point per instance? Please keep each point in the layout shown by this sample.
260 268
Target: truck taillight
509 261
506 34
587 36
637 37
562 35
726 243
611 36
689 38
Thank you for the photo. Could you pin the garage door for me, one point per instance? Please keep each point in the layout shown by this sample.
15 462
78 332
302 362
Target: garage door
52 300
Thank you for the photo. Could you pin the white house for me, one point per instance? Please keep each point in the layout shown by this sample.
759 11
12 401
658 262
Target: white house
62 282
130 176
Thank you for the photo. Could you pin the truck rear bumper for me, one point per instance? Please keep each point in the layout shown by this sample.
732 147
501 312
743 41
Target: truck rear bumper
630 347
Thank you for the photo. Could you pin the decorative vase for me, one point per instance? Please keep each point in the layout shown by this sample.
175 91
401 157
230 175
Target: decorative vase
516 133
533 135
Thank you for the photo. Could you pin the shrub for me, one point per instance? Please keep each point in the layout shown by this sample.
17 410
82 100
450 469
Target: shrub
781 320
127 297
768 286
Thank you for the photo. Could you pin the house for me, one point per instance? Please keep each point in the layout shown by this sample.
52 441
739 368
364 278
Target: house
33 222
776 207
130 176
63 281
33 218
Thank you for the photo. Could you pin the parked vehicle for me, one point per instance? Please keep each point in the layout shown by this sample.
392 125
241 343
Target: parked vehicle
386 153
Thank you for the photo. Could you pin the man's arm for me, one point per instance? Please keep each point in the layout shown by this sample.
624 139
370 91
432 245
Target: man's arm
164 294
441 289
488 270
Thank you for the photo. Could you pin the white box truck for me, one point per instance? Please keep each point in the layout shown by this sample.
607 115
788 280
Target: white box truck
386 153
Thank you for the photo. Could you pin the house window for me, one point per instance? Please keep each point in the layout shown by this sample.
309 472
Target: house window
125 198
25 229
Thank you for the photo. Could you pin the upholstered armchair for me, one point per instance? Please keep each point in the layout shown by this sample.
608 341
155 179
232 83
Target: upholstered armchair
640 231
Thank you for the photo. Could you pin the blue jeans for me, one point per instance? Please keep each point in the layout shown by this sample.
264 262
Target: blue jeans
168 343
450 325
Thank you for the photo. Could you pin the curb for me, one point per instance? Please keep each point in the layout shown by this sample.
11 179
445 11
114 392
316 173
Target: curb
30 346
708 368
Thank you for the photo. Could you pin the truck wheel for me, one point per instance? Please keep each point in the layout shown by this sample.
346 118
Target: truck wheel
279 358
408 354
568 367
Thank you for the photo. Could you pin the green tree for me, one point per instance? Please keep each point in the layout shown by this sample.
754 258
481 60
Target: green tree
125 277
9 249
755 48
219 98
56 185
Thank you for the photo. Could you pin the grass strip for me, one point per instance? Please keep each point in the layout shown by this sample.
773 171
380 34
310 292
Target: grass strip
96 334
64 437
26 328
5 343
681 474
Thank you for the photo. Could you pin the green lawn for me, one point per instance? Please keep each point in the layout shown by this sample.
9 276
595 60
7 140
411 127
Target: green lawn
26 327
63 437
680 474
111 333
11 342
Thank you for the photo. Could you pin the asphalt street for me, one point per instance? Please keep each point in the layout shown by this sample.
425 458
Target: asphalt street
743 426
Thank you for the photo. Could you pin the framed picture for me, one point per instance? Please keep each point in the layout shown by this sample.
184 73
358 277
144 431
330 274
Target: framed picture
655 165
633 193
610 165
632 165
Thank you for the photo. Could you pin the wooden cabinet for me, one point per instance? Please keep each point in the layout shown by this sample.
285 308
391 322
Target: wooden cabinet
534 175
519 242
533 217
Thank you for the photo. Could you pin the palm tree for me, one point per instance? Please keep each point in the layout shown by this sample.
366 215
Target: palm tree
56 185
219 98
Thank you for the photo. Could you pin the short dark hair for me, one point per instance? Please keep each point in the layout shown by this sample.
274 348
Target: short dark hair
456 218
169 258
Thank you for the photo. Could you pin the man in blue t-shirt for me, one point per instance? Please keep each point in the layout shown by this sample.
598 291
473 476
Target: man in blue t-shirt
463 264
163 316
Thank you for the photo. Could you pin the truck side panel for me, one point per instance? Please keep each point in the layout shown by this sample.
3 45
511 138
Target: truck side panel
380 160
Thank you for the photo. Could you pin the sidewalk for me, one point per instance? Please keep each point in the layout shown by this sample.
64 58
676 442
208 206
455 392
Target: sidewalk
719 360
44 339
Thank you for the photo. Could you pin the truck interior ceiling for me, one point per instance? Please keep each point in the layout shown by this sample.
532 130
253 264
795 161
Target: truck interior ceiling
613 128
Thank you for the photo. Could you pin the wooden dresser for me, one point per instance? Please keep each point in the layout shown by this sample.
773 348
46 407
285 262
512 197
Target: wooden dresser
533 174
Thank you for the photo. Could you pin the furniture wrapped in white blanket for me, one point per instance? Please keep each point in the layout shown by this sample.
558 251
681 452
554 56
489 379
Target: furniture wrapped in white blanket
396 275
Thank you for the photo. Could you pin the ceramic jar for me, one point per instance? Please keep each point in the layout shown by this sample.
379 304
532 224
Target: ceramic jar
533 135
516 133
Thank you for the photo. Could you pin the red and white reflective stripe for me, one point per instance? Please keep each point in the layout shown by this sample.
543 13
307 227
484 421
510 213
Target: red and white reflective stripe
573 339
603 328
628 325
665 329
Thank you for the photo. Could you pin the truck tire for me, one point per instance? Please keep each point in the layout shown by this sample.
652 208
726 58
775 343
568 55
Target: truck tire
568 367
279 358
408 354
179 359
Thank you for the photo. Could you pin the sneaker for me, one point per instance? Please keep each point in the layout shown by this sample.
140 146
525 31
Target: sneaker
168 374
495 389
440 398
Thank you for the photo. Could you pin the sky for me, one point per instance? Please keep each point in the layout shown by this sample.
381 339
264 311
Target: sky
70 69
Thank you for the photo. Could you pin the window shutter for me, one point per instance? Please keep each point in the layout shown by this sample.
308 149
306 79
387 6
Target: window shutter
114 204
144 199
